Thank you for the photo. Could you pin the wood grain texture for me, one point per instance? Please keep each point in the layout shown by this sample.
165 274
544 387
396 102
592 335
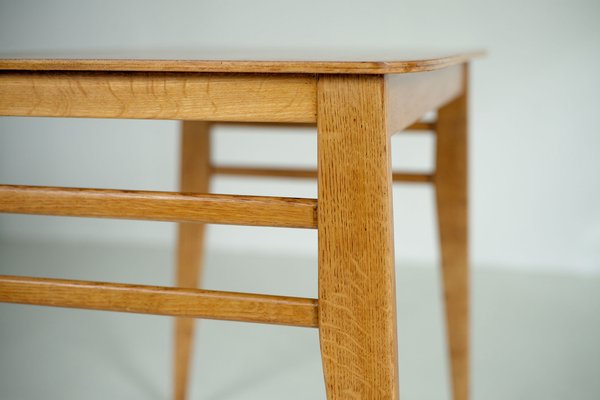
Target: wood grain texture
159 95
294 173
357 304
160 206
280 61
191 303
306 173
412 177
194 178
452 205
421 126
410 96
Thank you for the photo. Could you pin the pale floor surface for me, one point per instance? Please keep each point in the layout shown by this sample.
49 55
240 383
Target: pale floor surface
535 336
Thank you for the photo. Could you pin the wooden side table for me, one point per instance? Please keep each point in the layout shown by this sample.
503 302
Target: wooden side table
356 105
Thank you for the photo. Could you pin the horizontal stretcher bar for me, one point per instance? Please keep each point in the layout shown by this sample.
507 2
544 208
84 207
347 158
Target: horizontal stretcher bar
160 206
422 126
429 126
306 173
190 303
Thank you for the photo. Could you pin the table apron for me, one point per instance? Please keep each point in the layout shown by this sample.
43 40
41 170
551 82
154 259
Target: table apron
159 95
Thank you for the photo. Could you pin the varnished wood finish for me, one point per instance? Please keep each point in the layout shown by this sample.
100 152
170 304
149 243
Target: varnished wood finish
307 173
420 126
159 95
325 62
410 96
190 303
357 103
265 172
357 305
452 206
160 206
194 178
412 177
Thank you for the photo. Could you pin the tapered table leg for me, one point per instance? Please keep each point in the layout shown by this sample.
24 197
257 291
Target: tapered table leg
452 196
357 307
194 177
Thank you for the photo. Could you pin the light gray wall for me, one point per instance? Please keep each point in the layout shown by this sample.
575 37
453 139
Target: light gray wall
535 100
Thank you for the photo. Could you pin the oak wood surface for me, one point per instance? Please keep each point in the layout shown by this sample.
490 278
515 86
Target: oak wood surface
191 303
410 96
160 206
356 102
194 178
421 126
452 206
307 173
314 61
357 304
159 95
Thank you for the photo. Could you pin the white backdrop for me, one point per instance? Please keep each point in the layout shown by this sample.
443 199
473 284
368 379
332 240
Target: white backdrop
535 138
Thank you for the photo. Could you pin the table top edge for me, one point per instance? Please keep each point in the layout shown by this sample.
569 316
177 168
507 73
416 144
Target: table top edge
238 66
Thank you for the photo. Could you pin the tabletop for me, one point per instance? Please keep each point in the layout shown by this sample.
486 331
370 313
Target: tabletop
240 61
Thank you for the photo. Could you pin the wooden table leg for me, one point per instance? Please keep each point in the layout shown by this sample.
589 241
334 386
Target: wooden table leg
195 177
452 202
357 305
